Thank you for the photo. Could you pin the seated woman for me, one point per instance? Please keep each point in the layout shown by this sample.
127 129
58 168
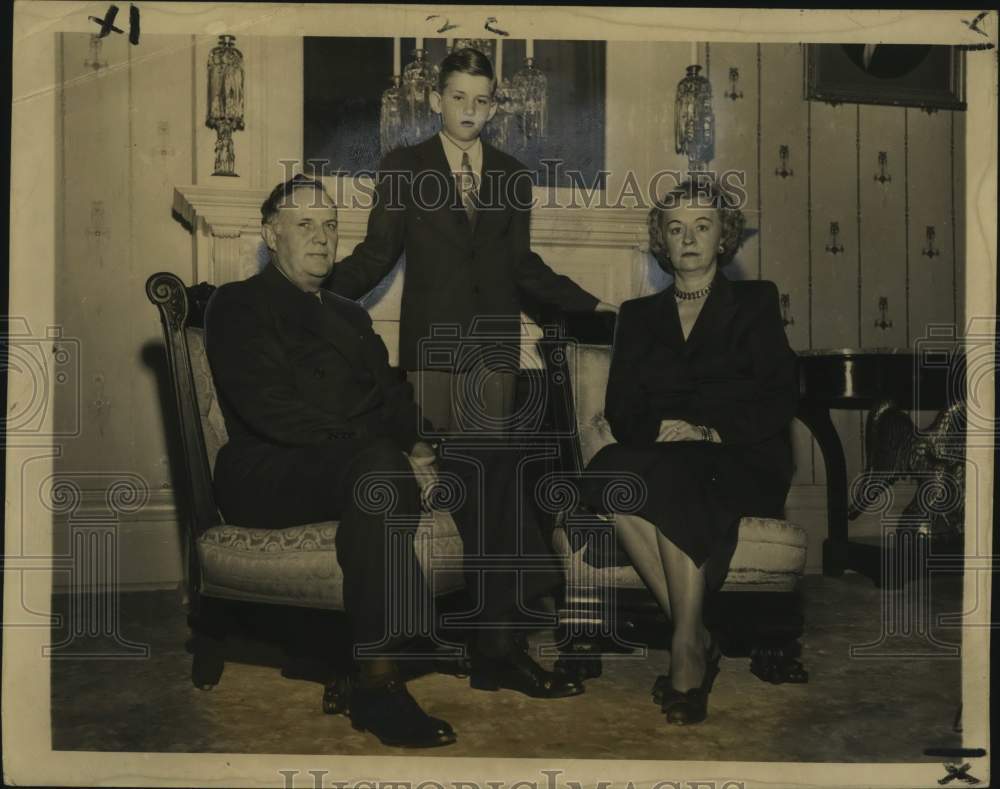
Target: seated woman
700 396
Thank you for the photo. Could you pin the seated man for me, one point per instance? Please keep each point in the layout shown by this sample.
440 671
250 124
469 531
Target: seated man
313 411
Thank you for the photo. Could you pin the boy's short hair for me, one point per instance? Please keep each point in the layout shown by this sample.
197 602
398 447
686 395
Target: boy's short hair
466 61
281 195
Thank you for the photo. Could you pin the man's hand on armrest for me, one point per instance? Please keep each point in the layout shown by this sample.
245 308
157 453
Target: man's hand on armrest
422 454
422 458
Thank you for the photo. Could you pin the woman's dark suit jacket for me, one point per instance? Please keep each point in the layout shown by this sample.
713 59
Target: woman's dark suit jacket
735 373
456 270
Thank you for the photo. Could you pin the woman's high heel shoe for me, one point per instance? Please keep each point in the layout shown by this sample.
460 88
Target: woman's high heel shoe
683 708
663 685
660 686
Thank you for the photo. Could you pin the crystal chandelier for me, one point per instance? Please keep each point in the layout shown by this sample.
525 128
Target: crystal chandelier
419 79
390 127
531 96
694 121
521 118
504 131
225 101
406 117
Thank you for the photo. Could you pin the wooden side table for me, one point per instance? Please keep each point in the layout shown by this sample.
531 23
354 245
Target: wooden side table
931 379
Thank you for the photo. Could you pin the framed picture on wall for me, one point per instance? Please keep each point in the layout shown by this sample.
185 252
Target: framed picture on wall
904 75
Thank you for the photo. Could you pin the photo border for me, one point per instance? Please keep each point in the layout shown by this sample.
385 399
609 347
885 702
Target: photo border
28 758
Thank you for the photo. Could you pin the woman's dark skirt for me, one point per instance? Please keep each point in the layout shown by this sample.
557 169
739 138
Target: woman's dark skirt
695 494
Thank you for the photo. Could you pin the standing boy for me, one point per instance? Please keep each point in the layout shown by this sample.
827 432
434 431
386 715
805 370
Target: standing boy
460 210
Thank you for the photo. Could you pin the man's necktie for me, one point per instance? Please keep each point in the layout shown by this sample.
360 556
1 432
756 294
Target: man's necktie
468 188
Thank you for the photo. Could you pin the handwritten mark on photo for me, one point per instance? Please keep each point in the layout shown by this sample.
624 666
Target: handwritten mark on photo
445 27
489 26
108 23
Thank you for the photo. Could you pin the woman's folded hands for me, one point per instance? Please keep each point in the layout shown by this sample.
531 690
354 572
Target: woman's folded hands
679 430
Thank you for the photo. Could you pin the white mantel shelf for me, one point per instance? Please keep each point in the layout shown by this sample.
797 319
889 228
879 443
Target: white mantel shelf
605 250
229 212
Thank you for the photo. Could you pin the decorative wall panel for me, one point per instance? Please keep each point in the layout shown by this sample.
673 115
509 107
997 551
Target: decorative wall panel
881 220
96 240
737 140
125 142
781 197
641 84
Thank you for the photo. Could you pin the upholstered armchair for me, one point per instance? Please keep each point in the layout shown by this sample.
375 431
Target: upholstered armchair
758 610
225 561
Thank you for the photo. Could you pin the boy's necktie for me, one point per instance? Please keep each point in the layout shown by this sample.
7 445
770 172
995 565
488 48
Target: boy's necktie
468 188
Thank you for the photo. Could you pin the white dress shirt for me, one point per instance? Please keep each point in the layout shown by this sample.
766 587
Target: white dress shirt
454 152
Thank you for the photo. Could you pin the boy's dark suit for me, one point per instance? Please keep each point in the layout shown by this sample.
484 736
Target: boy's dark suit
311 405
455 269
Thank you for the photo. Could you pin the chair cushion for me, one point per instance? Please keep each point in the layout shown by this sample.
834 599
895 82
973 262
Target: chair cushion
770 556
298 565
295 566
588 367
213 424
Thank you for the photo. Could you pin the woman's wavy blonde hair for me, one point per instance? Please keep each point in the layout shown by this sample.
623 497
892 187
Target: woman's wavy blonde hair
707 191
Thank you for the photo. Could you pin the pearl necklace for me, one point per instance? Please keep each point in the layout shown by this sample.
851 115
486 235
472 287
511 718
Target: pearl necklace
692 295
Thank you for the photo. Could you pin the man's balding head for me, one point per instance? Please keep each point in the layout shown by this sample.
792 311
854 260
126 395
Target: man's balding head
299 226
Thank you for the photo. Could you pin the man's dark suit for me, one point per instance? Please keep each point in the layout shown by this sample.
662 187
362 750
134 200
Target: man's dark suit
298 372
311 405
455 270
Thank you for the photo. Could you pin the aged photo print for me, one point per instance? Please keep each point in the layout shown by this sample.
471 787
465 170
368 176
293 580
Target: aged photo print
499 396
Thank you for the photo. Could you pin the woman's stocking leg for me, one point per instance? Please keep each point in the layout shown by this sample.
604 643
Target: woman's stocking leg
686 590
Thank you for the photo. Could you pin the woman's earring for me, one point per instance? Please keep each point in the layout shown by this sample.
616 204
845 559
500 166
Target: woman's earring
721 249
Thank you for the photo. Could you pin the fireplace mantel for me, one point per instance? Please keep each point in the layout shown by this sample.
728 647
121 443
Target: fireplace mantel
230 214
605 250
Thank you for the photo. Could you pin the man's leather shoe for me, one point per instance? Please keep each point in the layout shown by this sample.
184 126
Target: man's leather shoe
517 671
393 715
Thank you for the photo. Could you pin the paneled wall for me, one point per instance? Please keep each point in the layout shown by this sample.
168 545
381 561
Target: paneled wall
833 289
133 130
126 119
